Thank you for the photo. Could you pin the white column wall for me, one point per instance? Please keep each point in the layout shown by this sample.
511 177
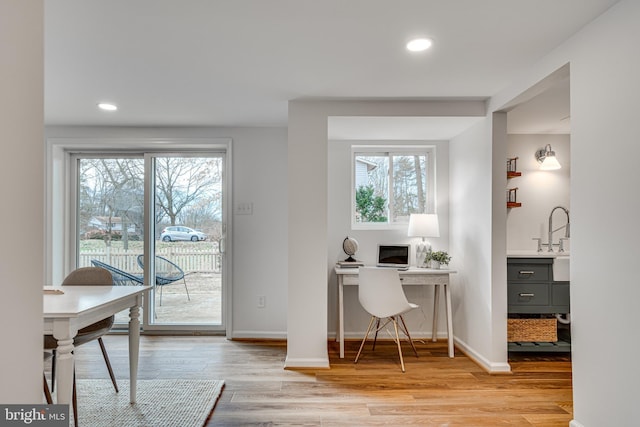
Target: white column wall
22 193
471 245
605 90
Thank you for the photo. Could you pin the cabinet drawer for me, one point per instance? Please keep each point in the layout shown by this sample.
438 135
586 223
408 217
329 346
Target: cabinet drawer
523 294
528 272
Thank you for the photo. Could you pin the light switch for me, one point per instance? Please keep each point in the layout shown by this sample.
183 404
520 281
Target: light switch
244 208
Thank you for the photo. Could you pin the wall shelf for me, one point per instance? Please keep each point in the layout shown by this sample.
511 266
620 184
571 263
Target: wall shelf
512 166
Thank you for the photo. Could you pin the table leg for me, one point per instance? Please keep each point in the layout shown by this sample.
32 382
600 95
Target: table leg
436 303
341 315
447 297
64 362
134 347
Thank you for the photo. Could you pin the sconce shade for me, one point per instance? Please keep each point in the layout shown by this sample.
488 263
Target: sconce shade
423 225
547 159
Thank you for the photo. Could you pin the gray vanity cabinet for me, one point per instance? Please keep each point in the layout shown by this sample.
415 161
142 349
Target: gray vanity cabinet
531 290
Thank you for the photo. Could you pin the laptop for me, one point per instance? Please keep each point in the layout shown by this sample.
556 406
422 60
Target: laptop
394 256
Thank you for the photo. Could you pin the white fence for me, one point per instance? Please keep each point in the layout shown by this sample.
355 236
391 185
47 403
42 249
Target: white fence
190 260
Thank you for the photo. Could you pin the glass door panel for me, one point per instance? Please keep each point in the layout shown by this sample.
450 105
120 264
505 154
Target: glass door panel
110 217
189 234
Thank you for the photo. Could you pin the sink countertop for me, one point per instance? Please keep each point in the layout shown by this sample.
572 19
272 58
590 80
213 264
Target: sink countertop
534 254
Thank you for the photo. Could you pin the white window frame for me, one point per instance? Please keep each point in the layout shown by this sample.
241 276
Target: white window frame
390 150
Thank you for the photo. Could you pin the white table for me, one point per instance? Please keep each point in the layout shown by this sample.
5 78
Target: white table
414 276
80 306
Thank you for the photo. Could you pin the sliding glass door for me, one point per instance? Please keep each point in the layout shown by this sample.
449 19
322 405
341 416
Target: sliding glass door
160 216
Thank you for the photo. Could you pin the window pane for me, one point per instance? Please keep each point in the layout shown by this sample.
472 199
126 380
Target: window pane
372 188
409 186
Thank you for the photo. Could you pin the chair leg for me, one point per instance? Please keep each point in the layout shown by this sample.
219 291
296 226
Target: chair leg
161 295
185 288
395 327
53 370
74 400
406 331
106 360
375 338
47 393
365 339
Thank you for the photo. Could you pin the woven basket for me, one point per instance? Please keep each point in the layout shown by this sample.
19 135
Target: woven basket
532 330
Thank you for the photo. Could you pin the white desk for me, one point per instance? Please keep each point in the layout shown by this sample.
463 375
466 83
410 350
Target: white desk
81 306
413 276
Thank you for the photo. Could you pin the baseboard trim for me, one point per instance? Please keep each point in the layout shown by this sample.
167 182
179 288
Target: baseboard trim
574 423
301 362
487 365
258 335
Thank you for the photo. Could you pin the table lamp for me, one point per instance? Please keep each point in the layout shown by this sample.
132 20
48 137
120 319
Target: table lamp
423 225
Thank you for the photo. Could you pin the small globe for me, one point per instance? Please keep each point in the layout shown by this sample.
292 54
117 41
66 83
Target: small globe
350 247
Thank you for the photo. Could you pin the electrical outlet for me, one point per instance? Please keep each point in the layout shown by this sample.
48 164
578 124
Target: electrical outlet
262 301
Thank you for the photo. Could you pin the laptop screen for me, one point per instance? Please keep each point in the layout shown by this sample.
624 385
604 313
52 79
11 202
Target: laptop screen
393 256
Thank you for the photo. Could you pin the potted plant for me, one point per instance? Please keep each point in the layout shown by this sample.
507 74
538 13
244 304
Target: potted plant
436 258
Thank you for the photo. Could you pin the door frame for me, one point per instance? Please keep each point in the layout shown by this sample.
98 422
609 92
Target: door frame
60 215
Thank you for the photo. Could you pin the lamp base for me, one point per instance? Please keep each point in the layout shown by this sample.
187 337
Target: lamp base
422 249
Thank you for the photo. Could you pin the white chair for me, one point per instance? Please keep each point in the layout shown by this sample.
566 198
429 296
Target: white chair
381 295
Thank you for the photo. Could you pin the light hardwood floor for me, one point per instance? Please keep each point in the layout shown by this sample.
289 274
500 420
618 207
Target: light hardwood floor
434 391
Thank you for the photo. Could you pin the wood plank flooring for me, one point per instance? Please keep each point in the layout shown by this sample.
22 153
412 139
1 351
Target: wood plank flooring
434 391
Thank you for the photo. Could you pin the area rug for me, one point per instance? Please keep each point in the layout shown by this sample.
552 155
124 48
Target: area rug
160 403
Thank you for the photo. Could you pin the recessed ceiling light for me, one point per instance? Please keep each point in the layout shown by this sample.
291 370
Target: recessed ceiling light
419 45
107 107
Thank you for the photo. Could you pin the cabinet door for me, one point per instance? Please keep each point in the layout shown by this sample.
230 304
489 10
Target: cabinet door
560 297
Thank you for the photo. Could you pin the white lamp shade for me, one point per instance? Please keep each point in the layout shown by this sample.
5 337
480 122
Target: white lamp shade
423 225
550 163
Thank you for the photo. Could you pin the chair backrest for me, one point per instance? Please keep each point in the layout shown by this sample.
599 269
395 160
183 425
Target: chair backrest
120 278
166 271
380 292
88 276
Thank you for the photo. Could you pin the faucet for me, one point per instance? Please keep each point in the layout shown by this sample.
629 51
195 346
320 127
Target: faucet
551 230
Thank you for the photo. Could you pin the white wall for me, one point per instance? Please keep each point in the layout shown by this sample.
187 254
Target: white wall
538 191
604 204
22 192
339 226
259 240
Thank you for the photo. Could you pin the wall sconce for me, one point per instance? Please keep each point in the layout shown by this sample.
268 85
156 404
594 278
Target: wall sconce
547 159
423 225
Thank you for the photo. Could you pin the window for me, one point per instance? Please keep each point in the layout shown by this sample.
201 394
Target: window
390 183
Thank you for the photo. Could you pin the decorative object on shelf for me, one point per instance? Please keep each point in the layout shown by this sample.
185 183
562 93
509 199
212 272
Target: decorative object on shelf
350 247
437 258
547 159
512 198
512 168
423 225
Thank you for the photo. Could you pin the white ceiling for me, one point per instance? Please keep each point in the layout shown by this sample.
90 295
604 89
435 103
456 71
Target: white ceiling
239 62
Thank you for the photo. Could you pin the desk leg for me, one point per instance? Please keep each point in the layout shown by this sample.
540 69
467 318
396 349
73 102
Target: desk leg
436 303
447 297
134 347
64 362
341 315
